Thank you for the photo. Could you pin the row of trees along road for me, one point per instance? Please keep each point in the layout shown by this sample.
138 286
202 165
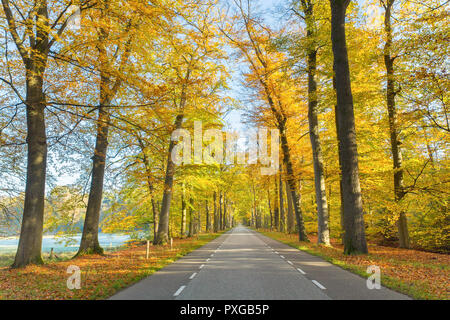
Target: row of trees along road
99 101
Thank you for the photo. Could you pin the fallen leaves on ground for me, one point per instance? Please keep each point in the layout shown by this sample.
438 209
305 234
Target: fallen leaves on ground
101 276
420 274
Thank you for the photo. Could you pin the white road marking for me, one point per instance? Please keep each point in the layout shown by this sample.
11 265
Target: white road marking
179 291
202 266
301 271
276 252
289 262
282 256
212 254
193 275
207 259
318 284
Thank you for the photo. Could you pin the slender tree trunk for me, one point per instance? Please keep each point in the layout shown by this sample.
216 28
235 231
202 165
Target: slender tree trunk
224 223
199 223
399 189
183 212
282 224
162 236
154 214
355 237
30 241
208 218
290 212
258 218
220 211
191 217
34 58
89 240
276 212
151 190
341 195
319 179
216 221
270 210
302 236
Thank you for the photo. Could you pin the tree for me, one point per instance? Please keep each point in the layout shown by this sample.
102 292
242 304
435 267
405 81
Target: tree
290 212
354 237
307 7
391 92
108 88
39 34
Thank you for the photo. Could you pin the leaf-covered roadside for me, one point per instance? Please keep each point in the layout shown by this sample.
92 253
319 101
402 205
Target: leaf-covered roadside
101 276
419 274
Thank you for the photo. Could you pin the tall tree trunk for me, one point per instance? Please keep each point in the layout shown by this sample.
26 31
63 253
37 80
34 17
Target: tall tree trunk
302 236
191 218
391 92
276 212
319 179
183 211
220 210
198 227
290 210
270 210
34 58
216 221
155 222
254 213
30 241
341 195
282 224
224 223
162 237
89 240
208 218
355 237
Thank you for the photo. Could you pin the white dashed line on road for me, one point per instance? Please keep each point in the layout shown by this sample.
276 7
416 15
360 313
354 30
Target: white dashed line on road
301 271
289 262
202 266
179 291
193 275
318 284
281 256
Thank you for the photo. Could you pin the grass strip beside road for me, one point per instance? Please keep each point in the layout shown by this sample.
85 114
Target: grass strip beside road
101 276
418 274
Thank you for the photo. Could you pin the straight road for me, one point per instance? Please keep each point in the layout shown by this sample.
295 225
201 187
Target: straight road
244 264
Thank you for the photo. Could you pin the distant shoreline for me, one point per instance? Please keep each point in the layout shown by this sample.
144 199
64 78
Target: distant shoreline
59 244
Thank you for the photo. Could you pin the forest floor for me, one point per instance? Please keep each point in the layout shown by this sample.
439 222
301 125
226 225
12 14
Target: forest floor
419 274
101 276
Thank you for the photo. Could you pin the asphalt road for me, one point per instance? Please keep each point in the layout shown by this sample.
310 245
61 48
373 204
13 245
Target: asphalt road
244 264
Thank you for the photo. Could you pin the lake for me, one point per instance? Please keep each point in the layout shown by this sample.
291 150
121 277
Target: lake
9 245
